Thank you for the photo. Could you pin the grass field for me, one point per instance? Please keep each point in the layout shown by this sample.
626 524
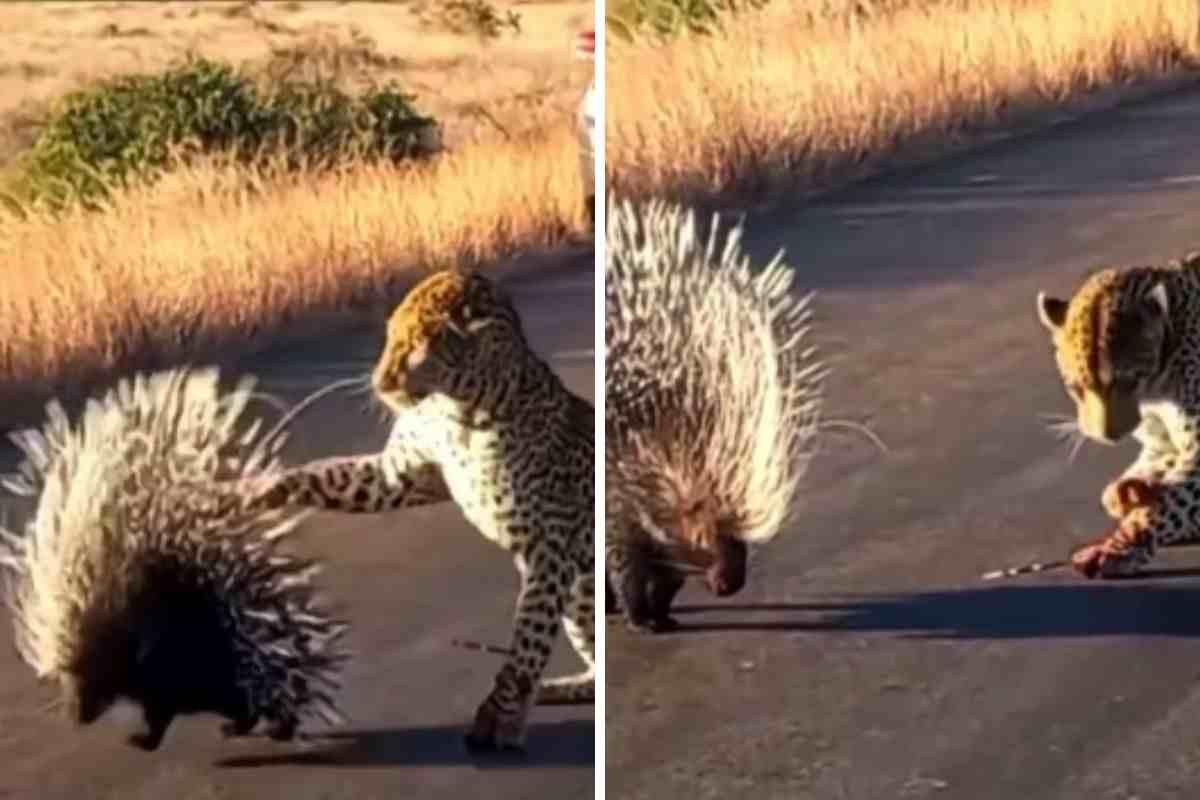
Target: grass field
213 253
811 91
476 86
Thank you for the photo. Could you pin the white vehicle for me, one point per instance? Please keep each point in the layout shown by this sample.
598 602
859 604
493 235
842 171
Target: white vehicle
586 48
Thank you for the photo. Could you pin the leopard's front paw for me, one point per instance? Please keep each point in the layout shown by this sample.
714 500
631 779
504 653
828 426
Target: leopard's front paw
500 719
496 730
263 493
1126 494
1114 557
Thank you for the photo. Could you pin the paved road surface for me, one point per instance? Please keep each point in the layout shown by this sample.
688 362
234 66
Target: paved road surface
410 582
866 661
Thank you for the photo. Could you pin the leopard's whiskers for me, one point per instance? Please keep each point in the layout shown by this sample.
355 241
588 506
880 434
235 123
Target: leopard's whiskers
307 402
1066 429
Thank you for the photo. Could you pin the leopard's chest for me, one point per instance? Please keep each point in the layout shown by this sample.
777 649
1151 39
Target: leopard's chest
483 471
1166 428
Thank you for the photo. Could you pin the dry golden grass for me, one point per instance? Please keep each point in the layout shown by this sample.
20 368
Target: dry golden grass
801 93
210 255
213 253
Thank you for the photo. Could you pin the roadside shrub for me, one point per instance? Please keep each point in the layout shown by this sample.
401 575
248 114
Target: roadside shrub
134 126
480 18
664 19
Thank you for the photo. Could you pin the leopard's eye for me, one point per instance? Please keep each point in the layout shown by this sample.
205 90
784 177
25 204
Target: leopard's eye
451 345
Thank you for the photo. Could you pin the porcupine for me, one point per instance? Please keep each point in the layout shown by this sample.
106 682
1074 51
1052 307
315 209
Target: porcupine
712 398
141 576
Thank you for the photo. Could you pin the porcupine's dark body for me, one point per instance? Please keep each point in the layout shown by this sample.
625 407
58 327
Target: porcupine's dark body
712 397
142 576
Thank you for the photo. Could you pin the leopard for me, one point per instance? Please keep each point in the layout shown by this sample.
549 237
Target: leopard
1127 348
481 420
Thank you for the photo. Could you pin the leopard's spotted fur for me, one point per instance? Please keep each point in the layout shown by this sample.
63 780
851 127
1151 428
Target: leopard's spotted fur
481 420
1127 346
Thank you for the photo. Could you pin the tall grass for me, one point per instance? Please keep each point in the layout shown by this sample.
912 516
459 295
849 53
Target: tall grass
211 254
811 91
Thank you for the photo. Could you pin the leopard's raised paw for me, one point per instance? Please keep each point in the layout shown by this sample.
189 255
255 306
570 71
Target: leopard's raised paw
1126 494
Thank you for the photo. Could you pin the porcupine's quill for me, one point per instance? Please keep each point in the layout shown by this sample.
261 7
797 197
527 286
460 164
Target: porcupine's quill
1025 569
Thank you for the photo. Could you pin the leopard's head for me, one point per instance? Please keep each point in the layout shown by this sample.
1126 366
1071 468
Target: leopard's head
454 334
1110 343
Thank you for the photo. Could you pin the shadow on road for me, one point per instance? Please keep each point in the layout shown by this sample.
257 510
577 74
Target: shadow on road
1117 608
559 744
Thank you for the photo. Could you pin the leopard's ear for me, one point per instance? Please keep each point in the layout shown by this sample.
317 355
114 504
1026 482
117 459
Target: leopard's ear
1051 311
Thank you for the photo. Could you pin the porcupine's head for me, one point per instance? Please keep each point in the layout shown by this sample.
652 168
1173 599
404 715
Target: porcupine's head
141 576
683 515
456 334
712 392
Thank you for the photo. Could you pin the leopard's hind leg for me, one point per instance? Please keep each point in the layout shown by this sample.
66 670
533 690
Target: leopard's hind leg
579 624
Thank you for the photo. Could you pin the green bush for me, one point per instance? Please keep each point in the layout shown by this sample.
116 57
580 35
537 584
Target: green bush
132 127
629 19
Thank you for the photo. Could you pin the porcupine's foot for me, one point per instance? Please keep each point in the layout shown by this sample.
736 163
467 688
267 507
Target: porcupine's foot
1121 554
1125 494
239 727
661 589
283 730
156 721
646 624
636 609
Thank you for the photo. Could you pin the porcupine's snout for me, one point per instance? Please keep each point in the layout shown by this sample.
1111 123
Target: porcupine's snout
722 557
727 575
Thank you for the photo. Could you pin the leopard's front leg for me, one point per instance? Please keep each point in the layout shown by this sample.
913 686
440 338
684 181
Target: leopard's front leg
500 720
1161 459
1161 517
393 479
